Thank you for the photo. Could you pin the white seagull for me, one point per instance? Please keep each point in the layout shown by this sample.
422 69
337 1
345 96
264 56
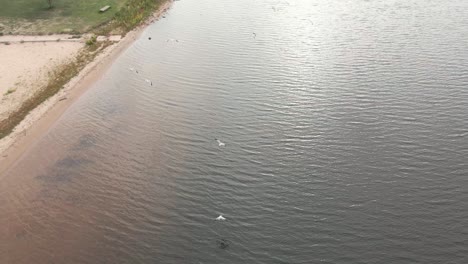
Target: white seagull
220 218
221 144
148 81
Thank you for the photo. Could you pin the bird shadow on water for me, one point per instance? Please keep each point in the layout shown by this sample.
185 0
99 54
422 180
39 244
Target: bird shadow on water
223 243
85 141
22 234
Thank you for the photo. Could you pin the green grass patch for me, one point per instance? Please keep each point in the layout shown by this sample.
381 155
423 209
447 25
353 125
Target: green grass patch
135 12
64 16
132 14
72 16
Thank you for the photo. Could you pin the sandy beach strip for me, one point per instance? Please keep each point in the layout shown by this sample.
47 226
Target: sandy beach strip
25 68
37 122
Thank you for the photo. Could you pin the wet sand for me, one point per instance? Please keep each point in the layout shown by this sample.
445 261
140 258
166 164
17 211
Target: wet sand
37 123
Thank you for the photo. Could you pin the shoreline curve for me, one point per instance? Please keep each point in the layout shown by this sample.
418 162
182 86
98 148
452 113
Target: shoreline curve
36 124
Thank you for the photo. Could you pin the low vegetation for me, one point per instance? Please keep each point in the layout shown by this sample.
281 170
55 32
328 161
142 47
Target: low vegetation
132 14
10 91
91 40
65 16
69 16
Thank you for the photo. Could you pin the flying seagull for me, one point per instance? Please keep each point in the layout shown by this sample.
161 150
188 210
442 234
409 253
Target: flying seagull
221 144
220 218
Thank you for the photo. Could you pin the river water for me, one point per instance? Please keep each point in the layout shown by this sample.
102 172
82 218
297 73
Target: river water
345 129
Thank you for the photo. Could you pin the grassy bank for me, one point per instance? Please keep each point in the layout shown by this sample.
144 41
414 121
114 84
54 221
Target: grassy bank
65 16
135 12
130 15
69 16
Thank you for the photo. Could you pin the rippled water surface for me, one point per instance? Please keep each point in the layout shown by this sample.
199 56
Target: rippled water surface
345 129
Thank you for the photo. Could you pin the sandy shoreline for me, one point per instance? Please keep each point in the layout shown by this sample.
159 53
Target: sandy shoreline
38 122
25 69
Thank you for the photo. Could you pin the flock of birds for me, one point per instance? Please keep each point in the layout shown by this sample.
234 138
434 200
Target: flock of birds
150 82
146 80
220 144
223 243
